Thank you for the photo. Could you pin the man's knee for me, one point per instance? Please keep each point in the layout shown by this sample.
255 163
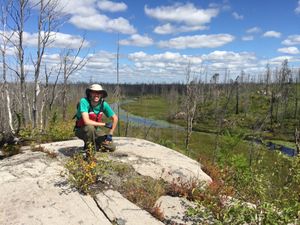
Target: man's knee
86 133
88 129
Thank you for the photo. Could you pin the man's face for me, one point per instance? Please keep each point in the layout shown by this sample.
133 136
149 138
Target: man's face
95 96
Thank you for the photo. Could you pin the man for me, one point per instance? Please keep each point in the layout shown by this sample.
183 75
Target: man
89 125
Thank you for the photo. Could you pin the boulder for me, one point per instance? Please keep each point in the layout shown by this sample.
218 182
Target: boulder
156 161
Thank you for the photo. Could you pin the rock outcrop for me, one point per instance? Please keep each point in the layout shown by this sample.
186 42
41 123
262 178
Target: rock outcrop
33 189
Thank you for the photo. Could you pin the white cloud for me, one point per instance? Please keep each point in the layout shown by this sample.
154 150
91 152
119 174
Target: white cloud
103 23
297 10
84 14
112 6
248 38
272 33
231 59
289 50
253 30
292 40
237 16
56 40
137 40
197 41
167 66
179 13
171 29
83 8
278 60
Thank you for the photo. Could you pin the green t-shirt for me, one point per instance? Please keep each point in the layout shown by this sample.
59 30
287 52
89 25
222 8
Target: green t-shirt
84 106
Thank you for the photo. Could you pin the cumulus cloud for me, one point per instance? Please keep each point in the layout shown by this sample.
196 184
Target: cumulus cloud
103 23
272 33
237 16
278 60
171 29
289 50
181 17
167 66
83 8
253 30
111 6
229 56
85 14
137 40
56 40
179 13
197 41
219 61
292 40
248 38
165 57
297 10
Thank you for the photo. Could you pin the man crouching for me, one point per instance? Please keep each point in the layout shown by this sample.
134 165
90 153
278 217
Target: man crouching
89 120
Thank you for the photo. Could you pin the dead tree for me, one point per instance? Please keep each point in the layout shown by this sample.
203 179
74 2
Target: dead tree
19 14
237 95
48 23
191 102
5 10
297 95
297 140
71 63
268 78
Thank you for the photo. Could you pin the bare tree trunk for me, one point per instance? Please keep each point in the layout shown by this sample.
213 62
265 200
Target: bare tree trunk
236 96
19 18
297 140
118 89
268 77
71 63
296 95
192 99
3 47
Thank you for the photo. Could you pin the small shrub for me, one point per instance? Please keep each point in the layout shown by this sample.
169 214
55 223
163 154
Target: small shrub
10 150
157 213
39 148
182 188
144 191
83 173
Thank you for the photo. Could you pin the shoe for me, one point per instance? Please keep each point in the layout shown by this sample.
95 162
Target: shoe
107 147
85 156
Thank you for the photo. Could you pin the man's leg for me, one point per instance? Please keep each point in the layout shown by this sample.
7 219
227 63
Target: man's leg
87 134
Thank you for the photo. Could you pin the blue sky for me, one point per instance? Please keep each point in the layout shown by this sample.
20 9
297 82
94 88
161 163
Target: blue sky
159 39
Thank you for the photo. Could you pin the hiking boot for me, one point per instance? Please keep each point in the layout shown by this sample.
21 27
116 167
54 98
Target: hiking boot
85 156
107 147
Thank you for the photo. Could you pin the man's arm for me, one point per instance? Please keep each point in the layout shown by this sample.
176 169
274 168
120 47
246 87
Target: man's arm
114 120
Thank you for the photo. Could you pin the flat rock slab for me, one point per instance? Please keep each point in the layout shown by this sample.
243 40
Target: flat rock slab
32 191
175 211
121 211
147 158
156 161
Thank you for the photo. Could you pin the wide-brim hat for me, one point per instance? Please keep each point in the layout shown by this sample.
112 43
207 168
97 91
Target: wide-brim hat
97 87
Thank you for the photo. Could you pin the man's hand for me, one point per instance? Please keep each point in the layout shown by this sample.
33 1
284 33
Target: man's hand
108 125
108 137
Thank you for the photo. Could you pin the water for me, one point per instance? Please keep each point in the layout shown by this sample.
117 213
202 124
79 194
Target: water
138 120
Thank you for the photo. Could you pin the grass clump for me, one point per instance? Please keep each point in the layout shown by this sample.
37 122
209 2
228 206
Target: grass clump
39 148
82 173
10 150
144 191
